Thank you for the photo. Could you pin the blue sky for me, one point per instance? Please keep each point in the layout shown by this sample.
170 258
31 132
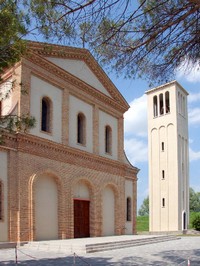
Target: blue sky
135 126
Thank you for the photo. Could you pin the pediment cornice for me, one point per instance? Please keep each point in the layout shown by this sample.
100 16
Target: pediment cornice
64 75
50 50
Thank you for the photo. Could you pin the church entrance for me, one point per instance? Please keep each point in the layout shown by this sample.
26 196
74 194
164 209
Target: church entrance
81 218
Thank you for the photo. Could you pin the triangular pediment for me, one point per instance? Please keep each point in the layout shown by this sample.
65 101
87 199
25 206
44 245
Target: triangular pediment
80 69
81 64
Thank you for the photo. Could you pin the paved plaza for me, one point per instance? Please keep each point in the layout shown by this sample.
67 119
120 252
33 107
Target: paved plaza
184 251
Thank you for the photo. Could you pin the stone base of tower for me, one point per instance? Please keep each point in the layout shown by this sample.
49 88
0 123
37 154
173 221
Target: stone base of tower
178 232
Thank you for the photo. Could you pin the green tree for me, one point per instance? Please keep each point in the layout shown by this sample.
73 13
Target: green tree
145 38
11 31
194 200
12 28
144 209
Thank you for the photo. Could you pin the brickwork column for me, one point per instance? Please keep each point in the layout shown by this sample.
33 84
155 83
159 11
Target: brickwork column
13 197
24 104
96 129
65 117
121 138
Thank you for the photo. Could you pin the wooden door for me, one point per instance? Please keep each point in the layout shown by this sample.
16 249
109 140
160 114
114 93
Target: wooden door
81 218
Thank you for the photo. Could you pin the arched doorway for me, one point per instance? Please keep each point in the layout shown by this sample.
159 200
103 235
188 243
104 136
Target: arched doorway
81 210
46 208
108 212
184 221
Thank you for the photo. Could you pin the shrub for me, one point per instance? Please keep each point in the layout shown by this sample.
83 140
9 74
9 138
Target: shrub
196 222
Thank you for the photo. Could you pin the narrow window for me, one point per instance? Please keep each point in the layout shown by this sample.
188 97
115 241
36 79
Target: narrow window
108 139
163 202
162 146
1 201
163 174
179 103
167 102
0 108
128 209
155 106
46 113
184 106
81 128
161 104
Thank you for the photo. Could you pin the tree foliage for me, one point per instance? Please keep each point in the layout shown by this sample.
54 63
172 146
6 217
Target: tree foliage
194 200
145 38
12 29
144 209
196 222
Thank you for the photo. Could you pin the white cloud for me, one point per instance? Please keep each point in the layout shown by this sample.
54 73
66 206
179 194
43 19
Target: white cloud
136 150
189 71
194 97
135 119
194 156
194 116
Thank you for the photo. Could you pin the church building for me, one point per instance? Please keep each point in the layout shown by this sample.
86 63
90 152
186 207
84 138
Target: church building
67 177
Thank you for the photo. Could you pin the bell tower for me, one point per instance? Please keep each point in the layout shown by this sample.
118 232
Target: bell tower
168 158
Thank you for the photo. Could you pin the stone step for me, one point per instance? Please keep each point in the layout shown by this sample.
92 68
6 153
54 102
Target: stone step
5 245
128 243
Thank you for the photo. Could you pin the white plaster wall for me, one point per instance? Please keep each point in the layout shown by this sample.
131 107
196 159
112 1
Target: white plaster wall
108 120
78 106
81 191
129 193
167 128
4 180
46 208
108 212
40 89
7 101
81 70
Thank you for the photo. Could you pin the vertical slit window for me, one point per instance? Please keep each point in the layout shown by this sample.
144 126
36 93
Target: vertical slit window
161 104
46 113
81 128
128 209
167 102
162 146
163 202
155 106
108 139
163 174
0 108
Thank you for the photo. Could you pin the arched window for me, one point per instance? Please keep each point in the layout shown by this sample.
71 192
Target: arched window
108 139
155 106
161 104
1 201
81 128
46 114
167 102
128 209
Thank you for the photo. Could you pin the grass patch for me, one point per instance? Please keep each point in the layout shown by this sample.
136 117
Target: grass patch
142 223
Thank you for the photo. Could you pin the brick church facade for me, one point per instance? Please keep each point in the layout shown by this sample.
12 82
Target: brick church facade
68 176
